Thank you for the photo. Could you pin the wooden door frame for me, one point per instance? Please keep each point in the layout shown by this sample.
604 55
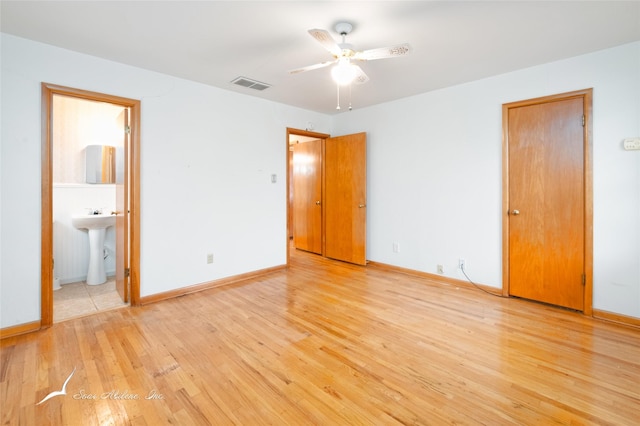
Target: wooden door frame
299 132
587 100
46 267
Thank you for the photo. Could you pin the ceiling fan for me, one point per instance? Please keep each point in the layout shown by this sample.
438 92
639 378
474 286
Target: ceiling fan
345 71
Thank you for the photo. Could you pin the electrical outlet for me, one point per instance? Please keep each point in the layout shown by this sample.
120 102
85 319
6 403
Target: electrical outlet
440 269
461 263
396 247
631 144
210 258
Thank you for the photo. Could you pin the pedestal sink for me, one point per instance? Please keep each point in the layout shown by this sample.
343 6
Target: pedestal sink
97 225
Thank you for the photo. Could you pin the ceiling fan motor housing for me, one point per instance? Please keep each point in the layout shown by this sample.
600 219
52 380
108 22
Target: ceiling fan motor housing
346 50
343 28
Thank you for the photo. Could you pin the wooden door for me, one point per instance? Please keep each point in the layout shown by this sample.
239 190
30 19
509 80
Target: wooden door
307 196
122 209
546 216
346 198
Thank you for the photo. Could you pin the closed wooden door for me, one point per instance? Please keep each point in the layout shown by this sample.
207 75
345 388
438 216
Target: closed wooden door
307 196
546 193
346 198
122 210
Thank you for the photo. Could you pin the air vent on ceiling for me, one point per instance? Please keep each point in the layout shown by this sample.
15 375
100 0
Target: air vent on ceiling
251 84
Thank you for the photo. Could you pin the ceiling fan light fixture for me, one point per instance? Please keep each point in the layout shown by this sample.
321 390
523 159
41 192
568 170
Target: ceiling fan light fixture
344 72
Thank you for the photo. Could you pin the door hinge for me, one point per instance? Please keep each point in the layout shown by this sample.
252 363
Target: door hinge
127 272
584 279
583 120
127 129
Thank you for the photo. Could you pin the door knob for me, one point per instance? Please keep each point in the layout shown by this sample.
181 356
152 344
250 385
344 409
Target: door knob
515 212
361 206
317 203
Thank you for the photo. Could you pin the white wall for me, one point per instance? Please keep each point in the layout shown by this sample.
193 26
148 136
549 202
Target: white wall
434 172
207 157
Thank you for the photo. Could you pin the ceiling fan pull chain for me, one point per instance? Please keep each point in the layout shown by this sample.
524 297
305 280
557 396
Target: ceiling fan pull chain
338 107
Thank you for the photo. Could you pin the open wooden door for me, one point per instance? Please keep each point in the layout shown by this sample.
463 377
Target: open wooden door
122 210
345 185
307 196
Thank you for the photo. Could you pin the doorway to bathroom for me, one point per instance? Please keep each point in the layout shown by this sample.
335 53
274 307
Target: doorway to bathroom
90 167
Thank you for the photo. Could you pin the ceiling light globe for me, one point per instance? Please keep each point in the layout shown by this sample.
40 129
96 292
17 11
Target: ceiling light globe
343 73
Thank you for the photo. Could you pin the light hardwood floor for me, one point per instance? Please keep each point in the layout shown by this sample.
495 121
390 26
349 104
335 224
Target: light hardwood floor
326 343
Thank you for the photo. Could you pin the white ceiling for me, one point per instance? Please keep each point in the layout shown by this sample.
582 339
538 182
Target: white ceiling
213 42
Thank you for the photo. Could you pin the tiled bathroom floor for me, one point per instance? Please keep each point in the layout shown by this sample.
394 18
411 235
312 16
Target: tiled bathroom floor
79 299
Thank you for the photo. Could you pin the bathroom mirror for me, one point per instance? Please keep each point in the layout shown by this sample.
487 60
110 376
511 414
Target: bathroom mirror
100 164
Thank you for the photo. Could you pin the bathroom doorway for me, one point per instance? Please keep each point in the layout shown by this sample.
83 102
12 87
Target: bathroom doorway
74 123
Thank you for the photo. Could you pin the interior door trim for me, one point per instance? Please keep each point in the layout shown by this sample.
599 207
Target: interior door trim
299 132
587 98
46 267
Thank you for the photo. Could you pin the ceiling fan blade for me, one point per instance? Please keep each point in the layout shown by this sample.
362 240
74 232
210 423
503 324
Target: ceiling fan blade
383 52
311 67
325 39
360 77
